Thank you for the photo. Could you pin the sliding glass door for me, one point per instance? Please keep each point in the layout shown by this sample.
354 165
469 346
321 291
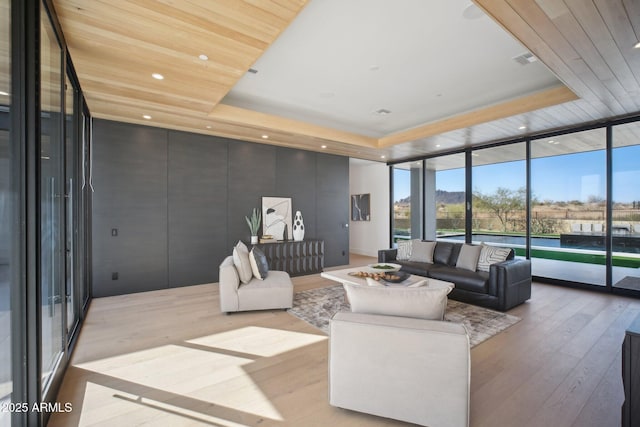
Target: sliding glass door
499 196
568 206
625 209
6 214
52 225
445 195
407 201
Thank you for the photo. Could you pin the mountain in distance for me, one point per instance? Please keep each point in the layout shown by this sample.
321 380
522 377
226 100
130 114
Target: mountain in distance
442 197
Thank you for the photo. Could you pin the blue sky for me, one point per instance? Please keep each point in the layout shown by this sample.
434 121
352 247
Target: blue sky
559 178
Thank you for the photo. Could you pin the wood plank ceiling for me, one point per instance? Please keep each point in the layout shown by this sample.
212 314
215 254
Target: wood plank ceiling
117 45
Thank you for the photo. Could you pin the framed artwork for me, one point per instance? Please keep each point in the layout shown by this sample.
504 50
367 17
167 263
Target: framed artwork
276 217
361 207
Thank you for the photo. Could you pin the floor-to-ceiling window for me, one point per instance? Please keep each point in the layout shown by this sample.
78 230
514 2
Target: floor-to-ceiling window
625 209
568 206
499 196
52 225
445 196
565 200
6 208
407 201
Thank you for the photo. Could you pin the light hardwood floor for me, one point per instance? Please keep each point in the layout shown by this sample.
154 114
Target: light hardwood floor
170 358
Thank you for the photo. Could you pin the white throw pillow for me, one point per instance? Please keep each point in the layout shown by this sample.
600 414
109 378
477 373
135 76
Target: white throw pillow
422 251
468 258
422 302
242 263
491 255
404 250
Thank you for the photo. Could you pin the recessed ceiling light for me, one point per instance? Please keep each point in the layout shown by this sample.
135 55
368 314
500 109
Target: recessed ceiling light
203 57
157 76
551 141
383 157
523 127
3 93
265 136
323 146
437 145
146 116
209 127
636 46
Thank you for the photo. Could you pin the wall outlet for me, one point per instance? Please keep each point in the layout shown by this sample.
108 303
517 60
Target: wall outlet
114 276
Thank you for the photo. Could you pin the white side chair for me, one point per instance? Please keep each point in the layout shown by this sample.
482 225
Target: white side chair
408 369
275 291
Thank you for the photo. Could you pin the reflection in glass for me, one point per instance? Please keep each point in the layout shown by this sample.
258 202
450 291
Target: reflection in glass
6 208
625 213
568 207
51 200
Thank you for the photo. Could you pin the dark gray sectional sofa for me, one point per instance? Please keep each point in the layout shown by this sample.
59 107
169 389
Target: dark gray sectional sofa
505 286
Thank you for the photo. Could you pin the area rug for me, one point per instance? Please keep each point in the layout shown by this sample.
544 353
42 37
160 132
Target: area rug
317 307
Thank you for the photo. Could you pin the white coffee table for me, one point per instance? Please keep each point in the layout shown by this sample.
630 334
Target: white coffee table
343 276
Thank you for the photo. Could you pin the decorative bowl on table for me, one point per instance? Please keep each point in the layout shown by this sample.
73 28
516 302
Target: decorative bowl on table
396 277
384 267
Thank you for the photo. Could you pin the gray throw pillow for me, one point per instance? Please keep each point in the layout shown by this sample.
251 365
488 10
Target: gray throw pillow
259 264
242 263
422 251
491 255
468 258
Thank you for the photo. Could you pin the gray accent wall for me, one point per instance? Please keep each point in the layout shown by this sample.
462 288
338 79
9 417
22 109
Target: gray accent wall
178 202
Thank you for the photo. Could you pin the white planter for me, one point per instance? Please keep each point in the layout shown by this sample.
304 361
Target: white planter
254 240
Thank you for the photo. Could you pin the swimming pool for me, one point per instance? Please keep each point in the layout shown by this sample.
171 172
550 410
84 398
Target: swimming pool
548 242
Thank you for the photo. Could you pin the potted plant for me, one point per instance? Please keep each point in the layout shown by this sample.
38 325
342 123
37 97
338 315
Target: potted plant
254 225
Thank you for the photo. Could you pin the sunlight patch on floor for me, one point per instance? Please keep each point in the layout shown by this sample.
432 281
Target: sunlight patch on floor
255 340
174 370
211 372
130 409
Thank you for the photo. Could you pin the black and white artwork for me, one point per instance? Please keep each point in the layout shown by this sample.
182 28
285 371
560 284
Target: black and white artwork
276 217
361 207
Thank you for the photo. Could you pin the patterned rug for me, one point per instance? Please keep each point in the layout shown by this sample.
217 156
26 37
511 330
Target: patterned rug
317 307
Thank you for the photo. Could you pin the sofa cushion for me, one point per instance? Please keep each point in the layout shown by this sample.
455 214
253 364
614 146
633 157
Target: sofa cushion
259 264
242 263
422 251
468 257
474 281
442 252
491 255
422 302
418 268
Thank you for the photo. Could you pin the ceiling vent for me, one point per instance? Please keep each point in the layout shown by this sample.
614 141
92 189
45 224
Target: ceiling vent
383 112
525 58
252 71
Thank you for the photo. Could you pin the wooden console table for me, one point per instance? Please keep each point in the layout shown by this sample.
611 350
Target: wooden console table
296 258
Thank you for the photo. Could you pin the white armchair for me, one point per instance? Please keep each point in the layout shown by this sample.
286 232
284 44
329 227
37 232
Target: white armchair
275 291
408 369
